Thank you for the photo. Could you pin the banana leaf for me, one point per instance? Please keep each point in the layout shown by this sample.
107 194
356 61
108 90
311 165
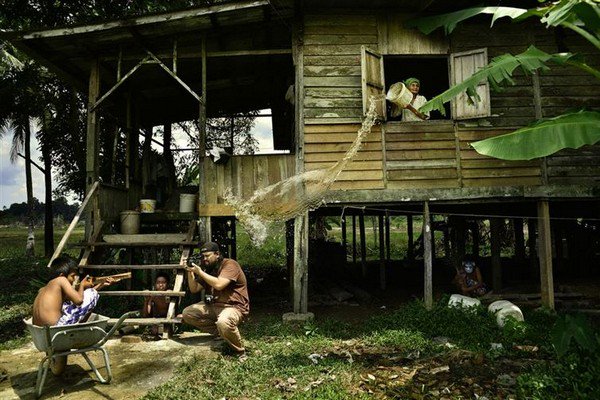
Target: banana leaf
497 72
544 137
450 20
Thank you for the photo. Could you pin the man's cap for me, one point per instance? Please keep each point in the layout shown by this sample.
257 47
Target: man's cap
209 246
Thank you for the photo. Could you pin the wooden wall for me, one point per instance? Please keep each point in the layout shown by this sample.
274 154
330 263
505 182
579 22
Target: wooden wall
245 174
324 145
332 71
436 154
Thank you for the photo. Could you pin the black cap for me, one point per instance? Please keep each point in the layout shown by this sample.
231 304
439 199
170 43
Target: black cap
209 246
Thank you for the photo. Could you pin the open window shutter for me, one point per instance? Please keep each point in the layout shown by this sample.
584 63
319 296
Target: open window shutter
373 81
462 66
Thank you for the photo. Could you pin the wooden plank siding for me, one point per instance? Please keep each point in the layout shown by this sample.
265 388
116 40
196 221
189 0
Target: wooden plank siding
421 155
332 66
324 145
243 175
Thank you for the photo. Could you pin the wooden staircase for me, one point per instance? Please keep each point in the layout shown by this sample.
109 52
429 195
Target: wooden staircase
184 241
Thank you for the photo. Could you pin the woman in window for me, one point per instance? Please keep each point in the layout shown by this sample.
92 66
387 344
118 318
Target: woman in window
411 112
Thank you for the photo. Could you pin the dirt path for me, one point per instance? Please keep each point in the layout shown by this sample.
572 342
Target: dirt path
136 367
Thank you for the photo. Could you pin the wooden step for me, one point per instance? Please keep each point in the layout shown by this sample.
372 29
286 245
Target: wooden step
167 216
146 321
150 293
125 266
139 244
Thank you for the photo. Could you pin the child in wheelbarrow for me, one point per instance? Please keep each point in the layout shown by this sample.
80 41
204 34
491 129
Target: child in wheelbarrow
58 303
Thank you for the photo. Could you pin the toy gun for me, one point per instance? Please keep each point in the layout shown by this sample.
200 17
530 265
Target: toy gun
116 277
100 279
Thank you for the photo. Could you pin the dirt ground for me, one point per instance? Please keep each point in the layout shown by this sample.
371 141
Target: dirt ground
136 368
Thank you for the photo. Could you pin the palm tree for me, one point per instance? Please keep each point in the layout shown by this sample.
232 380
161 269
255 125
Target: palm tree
19 103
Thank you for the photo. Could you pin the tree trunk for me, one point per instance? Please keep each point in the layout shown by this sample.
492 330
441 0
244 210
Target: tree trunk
30 246
48 211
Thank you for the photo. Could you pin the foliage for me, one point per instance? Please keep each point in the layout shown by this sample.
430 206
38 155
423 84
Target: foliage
17 212
544 137
577 329
580 16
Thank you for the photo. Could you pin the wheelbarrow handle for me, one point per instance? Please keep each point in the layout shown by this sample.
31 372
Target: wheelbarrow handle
118 324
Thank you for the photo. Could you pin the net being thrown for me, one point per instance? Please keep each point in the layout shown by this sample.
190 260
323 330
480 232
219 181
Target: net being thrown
295 195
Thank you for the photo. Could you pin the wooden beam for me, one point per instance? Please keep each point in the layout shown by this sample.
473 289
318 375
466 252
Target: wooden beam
411 238
363 243
146 20
382 263
119 83
545 254
174 76
74 222
495 231
427 258
519 240
92 148
300 285
344 237
354 239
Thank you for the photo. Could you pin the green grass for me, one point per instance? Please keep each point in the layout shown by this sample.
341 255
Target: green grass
352 360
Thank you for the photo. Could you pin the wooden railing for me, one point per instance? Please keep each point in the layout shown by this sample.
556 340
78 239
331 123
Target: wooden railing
65 238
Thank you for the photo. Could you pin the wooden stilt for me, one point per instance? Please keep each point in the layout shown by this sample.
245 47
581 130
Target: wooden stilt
300 293
411 238
495 228
387 236
476 239
290 255
354 239
519 240
531 243
344 237
92 171
427 258
382 277
363 244
545 254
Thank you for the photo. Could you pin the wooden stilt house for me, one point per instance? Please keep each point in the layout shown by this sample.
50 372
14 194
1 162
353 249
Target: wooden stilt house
236 56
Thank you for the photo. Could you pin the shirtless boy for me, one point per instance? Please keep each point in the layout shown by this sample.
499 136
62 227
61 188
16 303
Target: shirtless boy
58 303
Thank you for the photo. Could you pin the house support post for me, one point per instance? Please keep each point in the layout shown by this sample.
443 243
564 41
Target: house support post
354 240
382 263
92 150
545 254
531 242
300 284
203 222
410 256
427 258
344 237
363 243
519 240
495 228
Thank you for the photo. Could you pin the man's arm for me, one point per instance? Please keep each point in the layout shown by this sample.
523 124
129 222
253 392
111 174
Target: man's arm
218 283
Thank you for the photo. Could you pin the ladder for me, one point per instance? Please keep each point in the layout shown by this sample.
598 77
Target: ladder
185 242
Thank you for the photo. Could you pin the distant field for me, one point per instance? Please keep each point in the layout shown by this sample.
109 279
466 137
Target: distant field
13 239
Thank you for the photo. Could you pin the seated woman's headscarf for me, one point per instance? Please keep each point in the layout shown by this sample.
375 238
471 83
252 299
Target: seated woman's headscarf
411 80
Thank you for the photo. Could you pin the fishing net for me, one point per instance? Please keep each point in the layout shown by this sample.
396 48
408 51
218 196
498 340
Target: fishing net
295 195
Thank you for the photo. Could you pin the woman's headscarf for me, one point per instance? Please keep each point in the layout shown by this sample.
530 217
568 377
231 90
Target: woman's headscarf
411 80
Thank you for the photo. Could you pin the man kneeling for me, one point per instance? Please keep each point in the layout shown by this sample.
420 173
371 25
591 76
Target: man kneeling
58 303
227 302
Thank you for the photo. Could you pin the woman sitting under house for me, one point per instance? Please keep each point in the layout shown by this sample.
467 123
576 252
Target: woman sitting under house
468 279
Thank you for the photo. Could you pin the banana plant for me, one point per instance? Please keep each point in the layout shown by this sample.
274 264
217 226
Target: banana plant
544 137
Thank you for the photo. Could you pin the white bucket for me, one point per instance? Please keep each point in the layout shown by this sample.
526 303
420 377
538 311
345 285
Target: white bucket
504 309
130 222
399 95
187 202
147 206
458 300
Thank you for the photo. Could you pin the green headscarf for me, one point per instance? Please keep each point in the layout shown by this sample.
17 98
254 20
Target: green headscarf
411 80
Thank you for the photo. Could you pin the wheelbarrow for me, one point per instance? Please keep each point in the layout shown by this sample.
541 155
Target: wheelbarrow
81 338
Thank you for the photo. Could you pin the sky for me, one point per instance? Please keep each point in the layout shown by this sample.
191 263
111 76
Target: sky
12 176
